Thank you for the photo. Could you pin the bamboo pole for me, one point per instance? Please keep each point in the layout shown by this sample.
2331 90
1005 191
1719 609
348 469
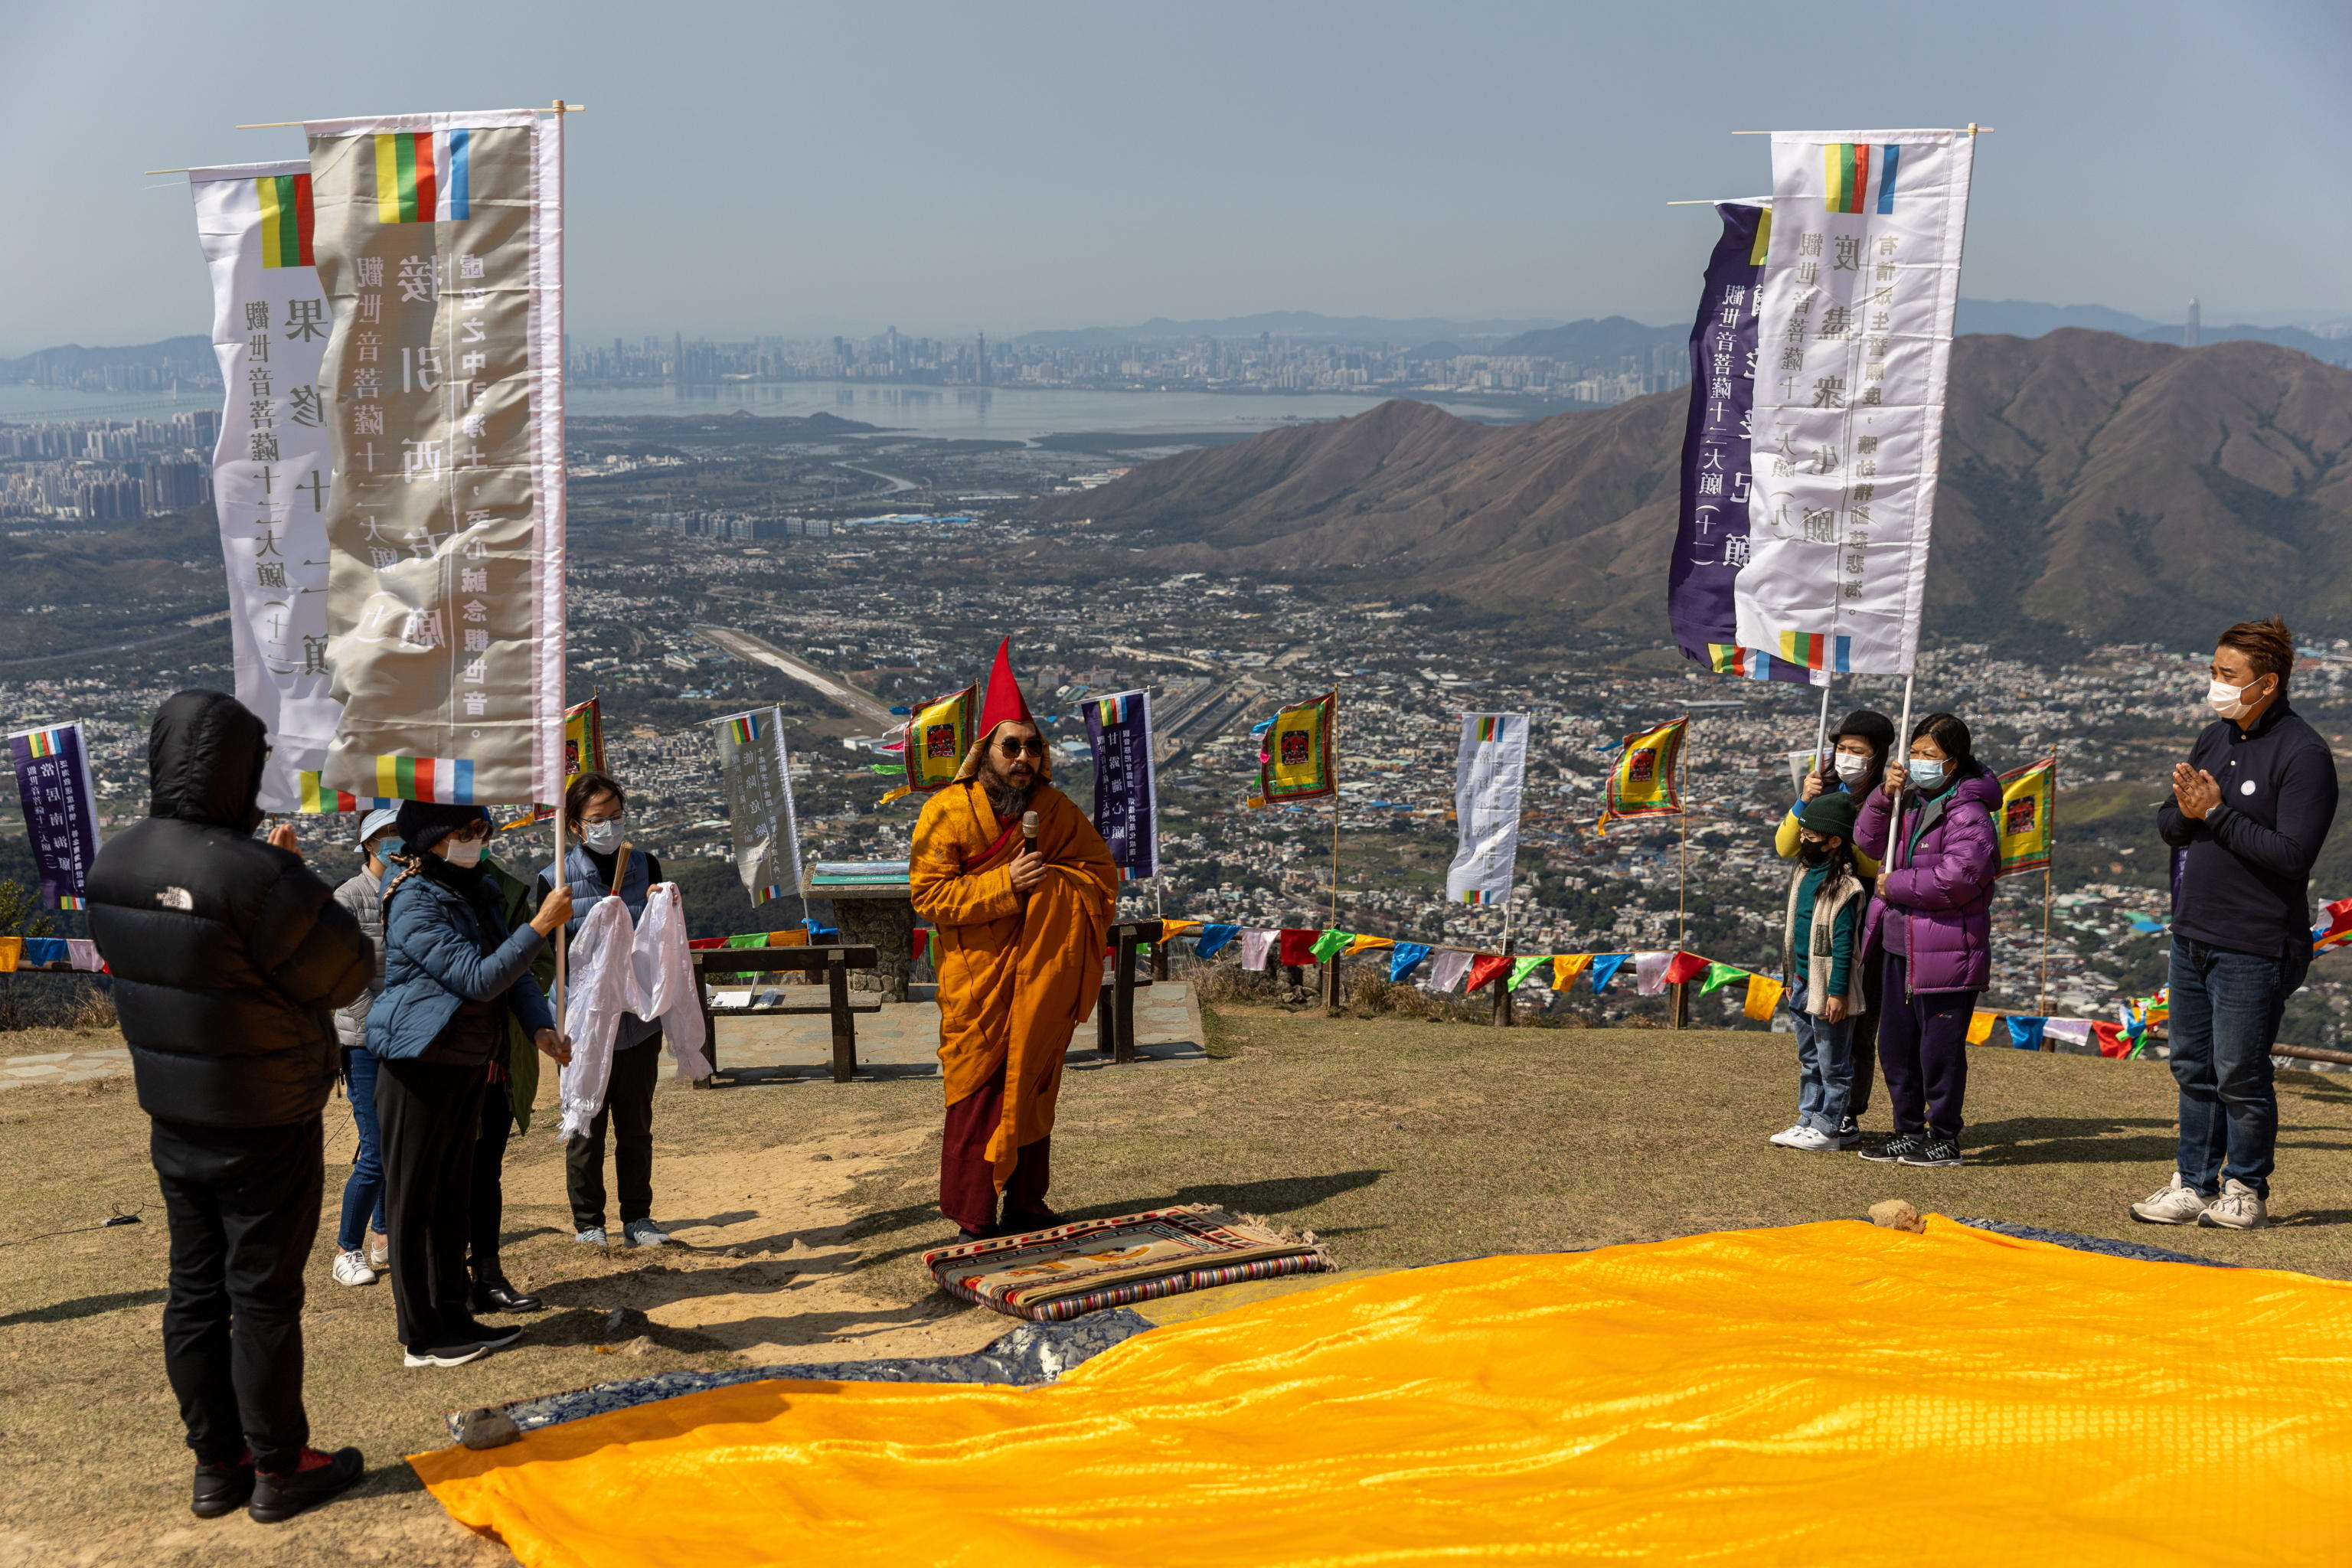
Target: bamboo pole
1682 879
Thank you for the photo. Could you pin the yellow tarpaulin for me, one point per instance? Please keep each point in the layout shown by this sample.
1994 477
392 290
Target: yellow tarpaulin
1823 1394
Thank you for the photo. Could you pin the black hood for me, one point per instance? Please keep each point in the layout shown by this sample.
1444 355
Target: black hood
205 753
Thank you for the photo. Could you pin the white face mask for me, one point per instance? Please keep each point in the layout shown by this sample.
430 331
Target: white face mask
2231 701
603 837
1851 769
468 852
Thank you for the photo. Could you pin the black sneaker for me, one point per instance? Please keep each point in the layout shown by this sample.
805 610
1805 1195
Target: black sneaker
445 1355
1899 1147
1934 1150
489 1337
277 1499
221 1488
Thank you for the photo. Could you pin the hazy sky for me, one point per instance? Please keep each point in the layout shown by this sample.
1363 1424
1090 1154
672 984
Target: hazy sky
1010 165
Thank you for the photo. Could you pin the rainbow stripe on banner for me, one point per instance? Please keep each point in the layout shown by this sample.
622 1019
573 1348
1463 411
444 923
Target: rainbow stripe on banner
1846 176
744 729
1816 650
1753 664
317 797
1112 709
423 176
286 220
41 743
1475 896
447 781
68 901
1489 728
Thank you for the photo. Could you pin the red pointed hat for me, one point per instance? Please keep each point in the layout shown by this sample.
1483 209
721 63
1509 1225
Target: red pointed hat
1004 705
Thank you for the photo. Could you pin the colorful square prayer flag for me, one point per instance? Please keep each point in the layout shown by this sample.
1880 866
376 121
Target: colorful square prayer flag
1980 1025
1522 968
1567 966
940 733
1329 943
2029 808
2025 1034
1645 782
1763 996
583 738
1719 976
1296 764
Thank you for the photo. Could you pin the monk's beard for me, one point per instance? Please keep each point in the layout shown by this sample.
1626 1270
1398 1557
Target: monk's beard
1004 798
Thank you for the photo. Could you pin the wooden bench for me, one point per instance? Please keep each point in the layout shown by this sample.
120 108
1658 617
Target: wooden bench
1115 1007
834 963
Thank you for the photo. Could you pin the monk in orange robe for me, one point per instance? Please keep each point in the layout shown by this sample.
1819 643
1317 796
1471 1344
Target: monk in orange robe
1019 951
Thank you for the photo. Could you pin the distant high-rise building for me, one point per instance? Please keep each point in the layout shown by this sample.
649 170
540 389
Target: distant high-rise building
2189 334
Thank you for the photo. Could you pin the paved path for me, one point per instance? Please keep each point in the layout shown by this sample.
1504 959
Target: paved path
64 1066
903 1039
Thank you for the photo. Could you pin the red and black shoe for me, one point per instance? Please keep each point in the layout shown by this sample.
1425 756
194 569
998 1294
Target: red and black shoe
279 1497
221 1488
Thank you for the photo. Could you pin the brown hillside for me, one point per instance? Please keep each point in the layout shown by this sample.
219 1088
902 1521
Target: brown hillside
2091 481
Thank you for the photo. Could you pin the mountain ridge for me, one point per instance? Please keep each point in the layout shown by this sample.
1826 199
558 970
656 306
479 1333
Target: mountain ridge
2093 485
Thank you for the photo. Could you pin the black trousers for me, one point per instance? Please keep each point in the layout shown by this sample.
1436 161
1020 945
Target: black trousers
629 1110
1865 1036
430 1112
489 1180
243 1206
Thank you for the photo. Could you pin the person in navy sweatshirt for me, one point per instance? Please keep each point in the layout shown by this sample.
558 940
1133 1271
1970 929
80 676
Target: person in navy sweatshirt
2250 809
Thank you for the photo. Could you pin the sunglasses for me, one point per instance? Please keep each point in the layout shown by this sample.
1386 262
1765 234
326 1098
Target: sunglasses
1010 747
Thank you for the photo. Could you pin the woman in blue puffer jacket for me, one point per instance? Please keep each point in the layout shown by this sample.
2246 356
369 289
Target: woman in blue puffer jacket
1933 921
452 973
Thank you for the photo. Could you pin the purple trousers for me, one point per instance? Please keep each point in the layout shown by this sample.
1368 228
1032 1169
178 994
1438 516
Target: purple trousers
968 1179
1923 1051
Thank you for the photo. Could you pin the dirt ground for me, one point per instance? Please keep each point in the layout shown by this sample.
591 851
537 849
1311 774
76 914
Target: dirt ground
805 1207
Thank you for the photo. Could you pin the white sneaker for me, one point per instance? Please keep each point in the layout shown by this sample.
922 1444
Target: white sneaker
379 1252
2176 1202
2239 1207
1810 1140
1786 1137
351 1268
592 1236
644 1233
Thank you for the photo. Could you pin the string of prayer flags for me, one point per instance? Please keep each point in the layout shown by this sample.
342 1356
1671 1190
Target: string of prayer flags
2025 1034
1329 943
2111 1041
2029 808
1763 996
1522 968
1650 973
1487 968
2074 1032
1682 968
1719 976
1213 940
1404 958
1644 782
1296 764
1567 966
1257 945
1605 966
1297 946
1360 943
1980 1025
1452 966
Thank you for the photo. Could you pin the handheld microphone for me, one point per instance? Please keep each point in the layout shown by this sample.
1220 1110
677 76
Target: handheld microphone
1029 831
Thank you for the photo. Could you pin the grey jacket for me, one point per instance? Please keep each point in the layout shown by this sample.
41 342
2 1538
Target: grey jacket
363 896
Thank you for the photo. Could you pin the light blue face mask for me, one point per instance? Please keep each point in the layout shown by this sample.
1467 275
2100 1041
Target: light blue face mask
1928 774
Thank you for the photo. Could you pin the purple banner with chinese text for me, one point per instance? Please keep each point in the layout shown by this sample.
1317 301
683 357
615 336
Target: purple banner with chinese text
61 809
1126 808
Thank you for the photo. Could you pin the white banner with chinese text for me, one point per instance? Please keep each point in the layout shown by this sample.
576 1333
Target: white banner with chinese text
440 242
1489 772
1859 285
270 472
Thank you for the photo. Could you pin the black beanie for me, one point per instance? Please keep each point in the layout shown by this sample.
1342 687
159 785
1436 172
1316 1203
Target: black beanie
1830 813
423 824
1871 725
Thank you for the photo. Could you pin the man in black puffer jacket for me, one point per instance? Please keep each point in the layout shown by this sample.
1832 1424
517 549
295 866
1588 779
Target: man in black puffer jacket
227 958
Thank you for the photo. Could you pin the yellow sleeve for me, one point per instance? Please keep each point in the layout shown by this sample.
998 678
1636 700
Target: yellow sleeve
1785 841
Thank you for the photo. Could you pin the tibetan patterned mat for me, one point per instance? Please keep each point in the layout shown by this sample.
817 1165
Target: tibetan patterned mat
1823 1394
1047 1276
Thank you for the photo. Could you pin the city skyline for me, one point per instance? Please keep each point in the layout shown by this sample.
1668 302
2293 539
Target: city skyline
802 171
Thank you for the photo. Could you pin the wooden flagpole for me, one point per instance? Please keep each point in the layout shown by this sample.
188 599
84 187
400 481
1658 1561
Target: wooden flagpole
1681 880
2050 831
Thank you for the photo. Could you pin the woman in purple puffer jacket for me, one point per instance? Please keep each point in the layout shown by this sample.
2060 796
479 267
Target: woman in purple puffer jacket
1933 922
